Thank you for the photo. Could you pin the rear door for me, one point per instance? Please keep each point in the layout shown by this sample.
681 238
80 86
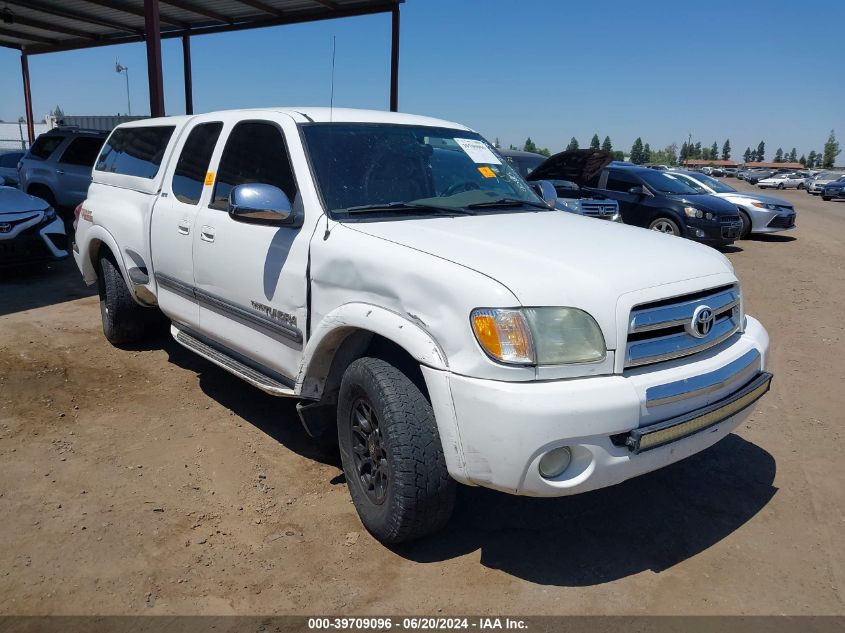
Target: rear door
73 171
173 223
251 278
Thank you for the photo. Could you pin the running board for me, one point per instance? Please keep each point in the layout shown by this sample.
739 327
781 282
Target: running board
232 365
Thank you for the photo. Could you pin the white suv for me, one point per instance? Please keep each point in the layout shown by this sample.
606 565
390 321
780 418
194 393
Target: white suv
428 309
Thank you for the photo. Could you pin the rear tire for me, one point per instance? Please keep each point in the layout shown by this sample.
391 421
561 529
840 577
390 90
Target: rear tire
391 453
665 225
123 319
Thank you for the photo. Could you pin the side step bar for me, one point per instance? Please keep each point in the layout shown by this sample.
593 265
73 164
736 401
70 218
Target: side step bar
232 365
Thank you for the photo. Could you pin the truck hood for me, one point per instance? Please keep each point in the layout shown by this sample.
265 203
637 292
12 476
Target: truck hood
551 258
576 165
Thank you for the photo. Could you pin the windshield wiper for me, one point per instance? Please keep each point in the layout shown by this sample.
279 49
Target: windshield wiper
506 202
406 206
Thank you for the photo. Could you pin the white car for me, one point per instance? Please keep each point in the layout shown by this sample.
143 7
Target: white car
29 229
782 181
759 213
424 305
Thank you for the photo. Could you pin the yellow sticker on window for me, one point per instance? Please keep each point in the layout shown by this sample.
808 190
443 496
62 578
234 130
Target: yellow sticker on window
209 179
487 172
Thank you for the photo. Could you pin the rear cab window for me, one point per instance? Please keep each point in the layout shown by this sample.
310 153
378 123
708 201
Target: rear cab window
45 145
189 175
135 151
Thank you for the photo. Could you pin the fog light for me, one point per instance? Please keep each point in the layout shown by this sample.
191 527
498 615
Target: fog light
553 463
699 233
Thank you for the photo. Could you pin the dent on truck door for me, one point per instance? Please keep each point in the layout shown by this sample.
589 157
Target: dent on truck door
250 277
174 220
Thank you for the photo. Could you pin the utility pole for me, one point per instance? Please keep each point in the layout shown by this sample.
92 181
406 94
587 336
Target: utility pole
119 68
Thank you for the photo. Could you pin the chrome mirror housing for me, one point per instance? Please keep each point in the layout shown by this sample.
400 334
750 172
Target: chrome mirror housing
257 202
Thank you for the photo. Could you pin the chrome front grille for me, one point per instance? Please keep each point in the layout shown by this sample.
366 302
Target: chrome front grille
663 330
598 209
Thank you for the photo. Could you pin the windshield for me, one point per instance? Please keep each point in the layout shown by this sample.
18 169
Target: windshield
666 182
716 185
829 175
402 168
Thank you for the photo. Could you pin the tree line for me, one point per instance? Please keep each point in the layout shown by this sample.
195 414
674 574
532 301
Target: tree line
642 153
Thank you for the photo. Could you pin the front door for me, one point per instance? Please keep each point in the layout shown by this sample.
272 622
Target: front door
173 223
74 169
251 278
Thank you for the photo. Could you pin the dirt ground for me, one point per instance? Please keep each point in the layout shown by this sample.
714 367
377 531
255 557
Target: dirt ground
149 481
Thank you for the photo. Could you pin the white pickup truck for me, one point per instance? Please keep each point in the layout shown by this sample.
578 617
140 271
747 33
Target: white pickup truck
422 302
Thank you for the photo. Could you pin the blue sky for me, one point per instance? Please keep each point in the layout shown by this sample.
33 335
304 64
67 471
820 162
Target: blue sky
548 69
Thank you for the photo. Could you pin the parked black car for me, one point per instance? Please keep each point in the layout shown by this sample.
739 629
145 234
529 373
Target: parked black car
659 201
756 175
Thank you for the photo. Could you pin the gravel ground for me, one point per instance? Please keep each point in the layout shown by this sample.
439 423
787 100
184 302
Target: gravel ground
148 481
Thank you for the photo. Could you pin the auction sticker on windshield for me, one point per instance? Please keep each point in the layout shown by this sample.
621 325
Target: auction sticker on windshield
478 151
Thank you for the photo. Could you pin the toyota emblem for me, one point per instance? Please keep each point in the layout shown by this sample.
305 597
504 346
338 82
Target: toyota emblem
702 321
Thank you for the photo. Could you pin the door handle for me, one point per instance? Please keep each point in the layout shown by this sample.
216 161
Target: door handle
61 172
207 234
184 226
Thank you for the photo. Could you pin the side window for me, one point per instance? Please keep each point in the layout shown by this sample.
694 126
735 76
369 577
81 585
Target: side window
82 151
189 176
44 146
135 151
255 152
620 181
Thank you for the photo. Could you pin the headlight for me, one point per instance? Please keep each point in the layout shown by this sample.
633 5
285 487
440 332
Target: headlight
692 212
538 336
763 205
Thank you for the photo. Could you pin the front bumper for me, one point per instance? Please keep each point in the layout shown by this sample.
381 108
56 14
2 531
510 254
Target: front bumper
34 243
770 220
495 433
714 233
839 192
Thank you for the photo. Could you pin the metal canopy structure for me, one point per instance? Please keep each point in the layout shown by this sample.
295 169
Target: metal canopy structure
35 27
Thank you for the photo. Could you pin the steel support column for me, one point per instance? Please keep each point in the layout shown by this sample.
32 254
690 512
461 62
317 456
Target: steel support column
152 34
394 59
27 98
186 69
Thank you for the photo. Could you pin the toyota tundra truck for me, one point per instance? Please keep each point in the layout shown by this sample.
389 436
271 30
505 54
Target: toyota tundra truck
429 309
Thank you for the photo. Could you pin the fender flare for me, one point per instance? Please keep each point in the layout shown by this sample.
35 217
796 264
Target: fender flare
89 271
406 331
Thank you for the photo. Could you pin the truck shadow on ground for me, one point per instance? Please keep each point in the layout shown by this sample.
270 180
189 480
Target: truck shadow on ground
30 286
276 417
650 523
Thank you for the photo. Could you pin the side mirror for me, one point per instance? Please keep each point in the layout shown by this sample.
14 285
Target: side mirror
636 191
546 191
259 203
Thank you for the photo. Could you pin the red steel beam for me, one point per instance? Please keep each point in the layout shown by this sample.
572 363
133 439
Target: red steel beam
152 28
394 59
27 98
186 67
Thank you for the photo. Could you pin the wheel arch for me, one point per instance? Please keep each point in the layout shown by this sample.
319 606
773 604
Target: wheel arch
358 329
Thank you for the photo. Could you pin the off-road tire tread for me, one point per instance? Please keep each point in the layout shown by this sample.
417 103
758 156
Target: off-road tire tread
125 321
423 493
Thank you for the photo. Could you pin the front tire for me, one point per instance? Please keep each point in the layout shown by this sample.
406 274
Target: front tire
391 453
665 225
745 231
123 319
826 198
780 185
